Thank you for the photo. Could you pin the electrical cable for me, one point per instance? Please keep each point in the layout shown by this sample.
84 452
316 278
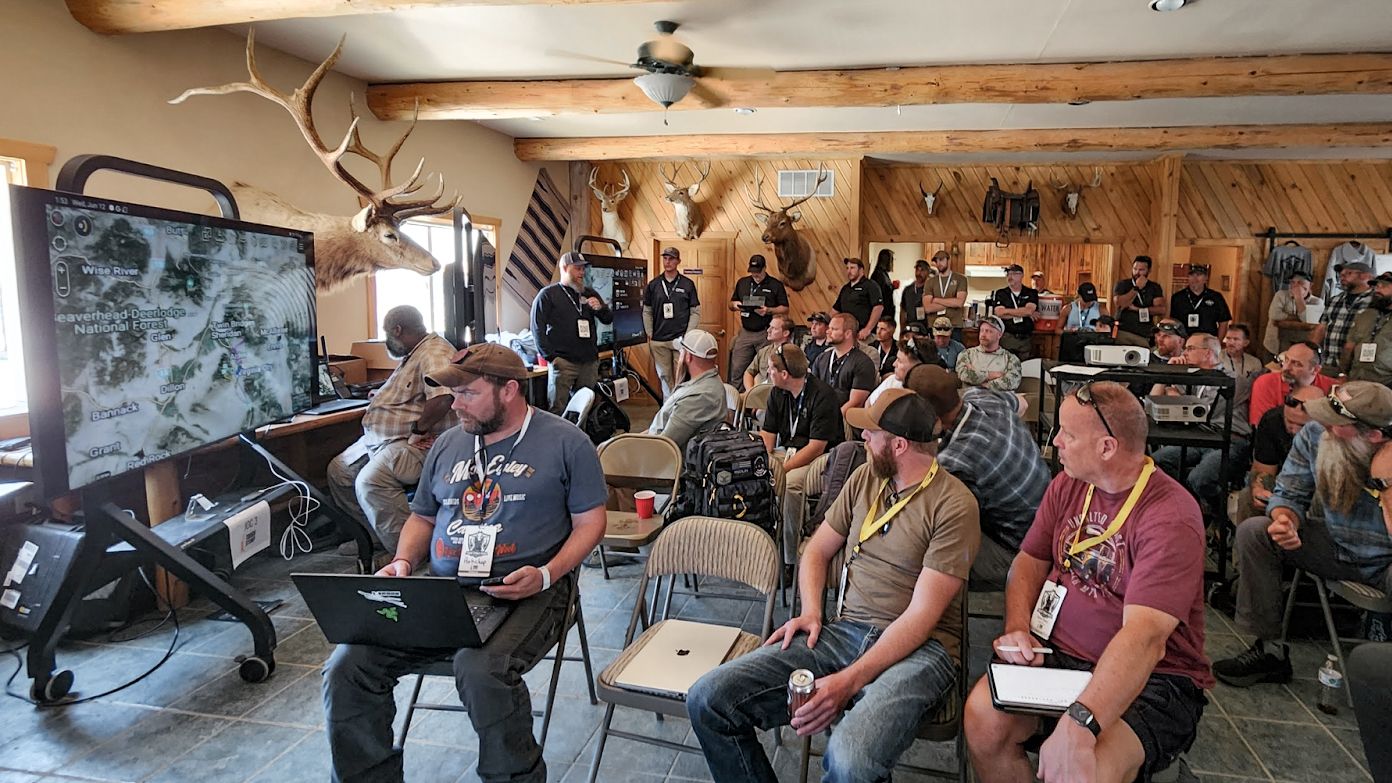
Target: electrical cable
296 538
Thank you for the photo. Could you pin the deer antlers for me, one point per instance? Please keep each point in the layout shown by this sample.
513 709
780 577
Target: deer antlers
392 204
925 193
757 197
671 181
1096 180
604 194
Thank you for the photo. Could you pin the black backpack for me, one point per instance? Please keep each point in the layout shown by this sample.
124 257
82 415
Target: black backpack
606 419
725 473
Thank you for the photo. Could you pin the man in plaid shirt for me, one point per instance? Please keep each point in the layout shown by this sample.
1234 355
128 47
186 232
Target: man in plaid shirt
1337 319
986 445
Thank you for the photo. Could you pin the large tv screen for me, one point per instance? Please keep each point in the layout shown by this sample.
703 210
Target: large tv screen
150 332
620 282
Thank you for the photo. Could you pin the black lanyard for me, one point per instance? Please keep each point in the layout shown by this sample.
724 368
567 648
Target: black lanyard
795 415
667 292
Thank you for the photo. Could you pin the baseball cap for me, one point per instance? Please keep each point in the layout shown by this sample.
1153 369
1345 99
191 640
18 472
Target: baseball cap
858 262
1385 277
942 325
899 412
995 322
1353 266
574 258
1363 402
698 342
934 384
1198 269
1302 274
1037 273
757 262
476 361
1087 292
922 262
671 251
819 317
1015 268
1170 327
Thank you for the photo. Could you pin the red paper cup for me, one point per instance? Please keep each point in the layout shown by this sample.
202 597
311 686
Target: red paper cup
644 500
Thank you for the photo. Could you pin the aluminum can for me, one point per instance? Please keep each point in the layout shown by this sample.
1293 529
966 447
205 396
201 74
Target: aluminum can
801 685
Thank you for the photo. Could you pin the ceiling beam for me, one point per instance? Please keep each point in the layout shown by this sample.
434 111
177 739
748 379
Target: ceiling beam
1227 137
112 17
1207 77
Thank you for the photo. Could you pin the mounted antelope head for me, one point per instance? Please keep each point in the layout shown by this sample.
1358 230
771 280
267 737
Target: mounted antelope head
689 220
609 197
930 200
344 247
797 261
1073 194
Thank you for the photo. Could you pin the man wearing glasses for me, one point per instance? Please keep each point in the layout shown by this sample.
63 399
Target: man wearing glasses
1300 367
1330 515
1110 578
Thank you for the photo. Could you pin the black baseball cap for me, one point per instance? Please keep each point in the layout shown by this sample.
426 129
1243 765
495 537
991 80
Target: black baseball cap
1302 274
1087 292
922 262
1198 269
899 412
756 263
819 317
1015 268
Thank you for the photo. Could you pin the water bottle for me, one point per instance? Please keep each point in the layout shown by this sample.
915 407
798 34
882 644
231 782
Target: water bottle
1331 683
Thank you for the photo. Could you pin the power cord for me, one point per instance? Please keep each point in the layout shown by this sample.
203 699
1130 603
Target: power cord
296 538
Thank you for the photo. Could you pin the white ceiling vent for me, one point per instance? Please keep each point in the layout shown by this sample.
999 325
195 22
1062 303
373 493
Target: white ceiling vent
798 183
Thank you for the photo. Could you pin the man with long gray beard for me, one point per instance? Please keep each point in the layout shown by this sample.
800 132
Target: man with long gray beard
1330 515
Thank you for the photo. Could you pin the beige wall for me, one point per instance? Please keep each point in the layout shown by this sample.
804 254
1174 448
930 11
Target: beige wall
63 85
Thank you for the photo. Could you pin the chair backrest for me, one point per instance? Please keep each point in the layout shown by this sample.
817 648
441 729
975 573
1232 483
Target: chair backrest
1030 391
733 402
628 458
579 407
756 399
1032 368
722 548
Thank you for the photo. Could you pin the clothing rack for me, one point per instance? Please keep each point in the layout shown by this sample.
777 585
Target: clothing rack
1271 235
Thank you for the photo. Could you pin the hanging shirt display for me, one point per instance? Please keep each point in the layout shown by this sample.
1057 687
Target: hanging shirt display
1284 261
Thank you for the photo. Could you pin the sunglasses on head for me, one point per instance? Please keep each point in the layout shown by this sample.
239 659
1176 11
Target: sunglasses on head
1084 396
778 354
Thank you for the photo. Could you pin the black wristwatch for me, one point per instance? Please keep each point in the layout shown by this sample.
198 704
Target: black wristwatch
1082 716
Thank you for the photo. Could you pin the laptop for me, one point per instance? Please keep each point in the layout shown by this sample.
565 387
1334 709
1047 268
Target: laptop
334 396
393 611
676 657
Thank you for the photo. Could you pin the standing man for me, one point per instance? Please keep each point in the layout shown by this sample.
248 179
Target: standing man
779 332
947 294
883 276
1138 301
369 479
1337 318
911 309
531 483
1112 569
885 347
988 363
757 298
563 323
846 368
816 340
1016 305
949 348
1285 317
671 308
860 297
1198 307
1368 349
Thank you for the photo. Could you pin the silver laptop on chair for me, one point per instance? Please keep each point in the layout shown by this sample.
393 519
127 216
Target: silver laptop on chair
676 657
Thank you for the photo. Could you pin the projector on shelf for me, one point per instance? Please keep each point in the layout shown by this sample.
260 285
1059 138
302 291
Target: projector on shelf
1116 355
1182 409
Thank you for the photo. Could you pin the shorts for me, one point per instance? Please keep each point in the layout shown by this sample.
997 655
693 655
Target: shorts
1165 716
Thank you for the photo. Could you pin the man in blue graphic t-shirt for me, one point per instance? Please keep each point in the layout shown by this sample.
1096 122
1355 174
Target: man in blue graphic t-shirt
513 492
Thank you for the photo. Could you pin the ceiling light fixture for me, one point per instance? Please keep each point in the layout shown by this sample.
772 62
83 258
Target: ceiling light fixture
745 110
665 89
1166 5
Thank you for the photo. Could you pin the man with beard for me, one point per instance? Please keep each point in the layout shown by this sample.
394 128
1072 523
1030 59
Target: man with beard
1169 341
779 332
369 479
1300 367
532 483
1113 569
1138 300
1272 440
907 533
946 294
1198 307
1337 318
563 323
698 402
860 297
911 310
987 363
1330 515
1368 351
846 367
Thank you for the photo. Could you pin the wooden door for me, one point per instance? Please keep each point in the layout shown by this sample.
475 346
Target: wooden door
707 262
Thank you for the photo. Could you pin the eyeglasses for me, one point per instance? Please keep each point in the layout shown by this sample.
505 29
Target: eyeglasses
778 352
1292 402
1084 396
1342 410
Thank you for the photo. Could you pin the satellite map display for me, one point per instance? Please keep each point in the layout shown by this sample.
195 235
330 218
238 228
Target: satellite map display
170 334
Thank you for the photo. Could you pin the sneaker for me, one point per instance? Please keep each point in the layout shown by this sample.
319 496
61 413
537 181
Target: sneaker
1258 664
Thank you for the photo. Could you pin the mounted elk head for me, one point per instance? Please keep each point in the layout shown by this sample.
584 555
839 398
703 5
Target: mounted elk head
1073 194
797 261
930 200
689 220
344 247
609 197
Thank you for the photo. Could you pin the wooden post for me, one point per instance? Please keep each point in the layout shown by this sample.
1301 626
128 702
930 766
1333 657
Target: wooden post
1164 213
164 501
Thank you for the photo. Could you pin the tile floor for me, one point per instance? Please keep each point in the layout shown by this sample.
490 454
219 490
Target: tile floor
194 718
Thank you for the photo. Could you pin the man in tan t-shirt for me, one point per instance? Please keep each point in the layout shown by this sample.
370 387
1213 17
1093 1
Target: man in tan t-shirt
908 532
947 294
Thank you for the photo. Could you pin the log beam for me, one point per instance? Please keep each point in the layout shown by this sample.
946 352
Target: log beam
1206 77
1164 216
1049 140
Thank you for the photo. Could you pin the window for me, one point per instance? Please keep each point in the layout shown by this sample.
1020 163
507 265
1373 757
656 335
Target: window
21 163
392 287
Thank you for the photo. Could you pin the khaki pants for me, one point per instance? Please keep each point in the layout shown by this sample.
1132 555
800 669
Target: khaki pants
742 353
564 376
665 360
372 488
793 488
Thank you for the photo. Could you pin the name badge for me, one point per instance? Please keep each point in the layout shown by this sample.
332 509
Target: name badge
667 310
582 327
476 556
1143 315
1193 320
1046 609
918 313
1017 320
1367 352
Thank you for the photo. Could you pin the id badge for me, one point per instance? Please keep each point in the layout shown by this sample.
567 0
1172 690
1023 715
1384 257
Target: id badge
1017 320
582 328
1143 315
1193 320
918 313
667 310
1367 352
1046 609
476 556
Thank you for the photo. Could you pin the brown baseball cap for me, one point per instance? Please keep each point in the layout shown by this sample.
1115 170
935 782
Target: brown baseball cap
934 384
1356 402
899 412
942 325
671 251
476 361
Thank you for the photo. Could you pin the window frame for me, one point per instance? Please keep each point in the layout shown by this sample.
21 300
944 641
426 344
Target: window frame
492 224
36 159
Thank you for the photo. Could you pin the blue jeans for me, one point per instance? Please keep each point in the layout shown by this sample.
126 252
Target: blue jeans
880 723
1206 477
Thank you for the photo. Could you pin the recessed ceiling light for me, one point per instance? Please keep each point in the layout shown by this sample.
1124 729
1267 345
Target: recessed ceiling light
1166 5
534 118
1079 102
746 110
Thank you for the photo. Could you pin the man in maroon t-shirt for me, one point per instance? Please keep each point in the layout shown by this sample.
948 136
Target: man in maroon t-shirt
1127 603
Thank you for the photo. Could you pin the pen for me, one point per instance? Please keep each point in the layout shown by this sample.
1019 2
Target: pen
1013 648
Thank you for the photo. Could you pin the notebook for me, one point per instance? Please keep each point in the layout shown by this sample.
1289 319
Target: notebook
1035 690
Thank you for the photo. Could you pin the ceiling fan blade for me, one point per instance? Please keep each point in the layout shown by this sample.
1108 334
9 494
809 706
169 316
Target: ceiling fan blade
705 96
738 74
587 57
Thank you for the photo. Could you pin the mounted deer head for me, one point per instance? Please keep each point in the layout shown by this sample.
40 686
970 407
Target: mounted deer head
344 247
930 200
797 261
689 220
609 197
1073 194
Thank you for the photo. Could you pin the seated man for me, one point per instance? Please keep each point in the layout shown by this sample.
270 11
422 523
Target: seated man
1119 549
779 332
987 446
532 481
816 340
698 402
910 352
948 348
988 364
846 367
884 347
1330 515
1205 476
369 479
1272 440
801 424
1168 339
1300 367
908 532
1235 361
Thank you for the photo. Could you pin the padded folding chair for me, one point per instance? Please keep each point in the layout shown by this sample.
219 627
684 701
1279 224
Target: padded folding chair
754 402
1363 596
733 403
706 546
578 409
637 461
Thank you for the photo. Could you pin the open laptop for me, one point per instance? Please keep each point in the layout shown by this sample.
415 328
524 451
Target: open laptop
331 397
676 657
392 611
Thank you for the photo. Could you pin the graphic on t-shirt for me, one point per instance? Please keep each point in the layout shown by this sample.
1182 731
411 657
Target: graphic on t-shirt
481 501
1099 568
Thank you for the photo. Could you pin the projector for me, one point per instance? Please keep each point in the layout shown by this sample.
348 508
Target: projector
1116 355
1177 410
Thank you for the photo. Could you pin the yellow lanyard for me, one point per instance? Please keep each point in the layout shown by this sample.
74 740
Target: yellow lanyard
1117 521
873 523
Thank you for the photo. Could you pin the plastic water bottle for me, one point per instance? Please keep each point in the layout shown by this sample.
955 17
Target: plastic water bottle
1331 683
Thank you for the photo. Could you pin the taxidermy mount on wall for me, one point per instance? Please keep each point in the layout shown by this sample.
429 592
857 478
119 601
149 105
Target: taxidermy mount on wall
609 197
797 261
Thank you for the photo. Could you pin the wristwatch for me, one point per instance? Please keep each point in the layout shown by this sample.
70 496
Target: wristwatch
1082 716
